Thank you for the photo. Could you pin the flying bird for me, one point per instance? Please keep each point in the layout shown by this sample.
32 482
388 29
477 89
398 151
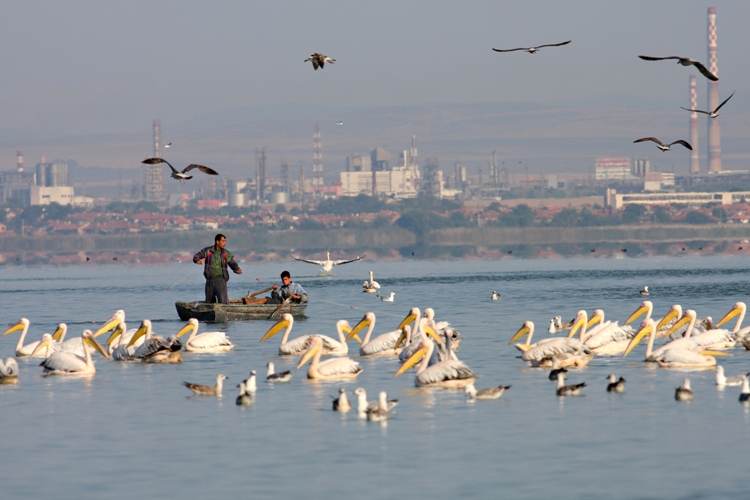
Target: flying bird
662 146
176 174
686 61
327 265
168 145
532 50
711 114
319 60
341 123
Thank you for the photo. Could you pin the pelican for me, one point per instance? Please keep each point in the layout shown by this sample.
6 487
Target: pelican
9 371
319 60
738 309
711 114
327 265
208 390
440 328
272 376
664 324
363 405
489 393
495 295
644 291
447 373
387 298
663 146
709 339
243 398
330 369
533 50
28 350
181 175
151 343
684 393
381 413
617 386
685 61
722 380
371 286
70 363
205 342
118 347
413 339
301 344
382 345
568 390
609 338
341 403
540 352
745 394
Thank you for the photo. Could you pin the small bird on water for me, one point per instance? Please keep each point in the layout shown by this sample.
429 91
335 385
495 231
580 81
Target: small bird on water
684 393
319 60
244 398
341 403
617 386
644 291
745 394
495 295
489 393
180 175
272 376
568 390
207 390
387 298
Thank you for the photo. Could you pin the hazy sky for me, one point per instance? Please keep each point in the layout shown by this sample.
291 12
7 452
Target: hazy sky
76 68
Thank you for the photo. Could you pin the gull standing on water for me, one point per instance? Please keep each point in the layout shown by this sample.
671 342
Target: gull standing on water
181 175
244 398
272 376
495 295
381 413
733 380
684 393
685 61
532 50
388 298
489 393
662 146
617 386
711 114
207 390
644 292
568 390
341 403
363 406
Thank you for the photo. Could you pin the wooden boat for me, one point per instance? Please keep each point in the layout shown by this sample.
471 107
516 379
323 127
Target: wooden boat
236 310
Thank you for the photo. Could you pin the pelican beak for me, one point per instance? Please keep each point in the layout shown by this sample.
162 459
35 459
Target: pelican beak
731 314
432 333
56 335
44 343
357 328
187 328
637 314
413 360
672 314
107 326
280 325
14 328
595 318
308 355
638 337
140 333
520 333
116 333
684 320
580 321
96 345
716 353
410 318
401 338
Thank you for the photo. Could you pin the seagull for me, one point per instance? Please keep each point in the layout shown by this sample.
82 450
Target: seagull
327 265
319 60
341 403
272 376
339 123
745 394
495 295
167 145
722 380
388 298
662 146
568 390
250 385
176 174
644 291
244 398
207 390
685 61
711 114
684 393
617 386
532 50
489 393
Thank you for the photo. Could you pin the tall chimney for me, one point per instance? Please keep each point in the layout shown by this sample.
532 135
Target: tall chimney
317 160
413 152
714 133
695 165
19 156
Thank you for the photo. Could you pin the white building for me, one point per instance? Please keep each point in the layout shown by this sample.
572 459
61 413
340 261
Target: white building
42 195
400 182
658 181
612 168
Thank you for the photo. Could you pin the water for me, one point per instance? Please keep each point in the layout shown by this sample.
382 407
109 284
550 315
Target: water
133 429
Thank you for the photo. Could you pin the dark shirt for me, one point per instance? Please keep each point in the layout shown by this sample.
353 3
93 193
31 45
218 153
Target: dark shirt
209 253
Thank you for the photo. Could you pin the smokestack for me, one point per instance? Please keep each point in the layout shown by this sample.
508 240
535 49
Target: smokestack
695 165
714 133
317 160
413 151
157 138
19 156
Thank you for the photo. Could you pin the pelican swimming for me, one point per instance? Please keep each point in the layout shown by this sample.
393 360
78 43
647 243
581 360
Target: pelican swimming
568 390
299 345
208 390
382 345
272 376
489 393
326 266
371 286
330 369
382 412
617 386
447 373
738 309
341 403
684 393
9 371
25 351
709 339
541 351
363 405
71 363
243 398
609 338
205 342
664 324
440 328
722 380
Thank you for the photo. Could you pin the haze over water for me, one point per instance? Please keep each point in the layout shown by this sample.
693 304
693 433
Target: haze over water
133 429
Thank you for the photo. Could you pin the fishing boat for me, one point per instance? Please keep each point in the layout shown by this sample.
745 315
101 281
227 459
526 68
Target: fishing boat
237 310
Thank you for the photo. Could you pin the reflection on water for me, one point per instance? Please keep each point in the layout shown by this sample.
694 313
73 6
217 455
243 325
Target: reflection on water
135 424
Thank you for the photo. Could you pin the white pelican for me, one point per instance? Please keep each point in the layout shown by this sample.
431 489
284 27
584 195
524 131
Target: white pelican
205 342
25 351
684 393
447 373
326 266
495 295
738 309
363 405
319 60
617 386
685 61
300 344
722 380
709 339
151 343
532 50
330 369
71 363
272 376
745 394
553 347
243 398
489 393
382 345
341 403
387 298
664 324
371 286
118 347
609 338
413 340
649 327
180 175
381 413
568 390
208 390
9 371
711 114
440 328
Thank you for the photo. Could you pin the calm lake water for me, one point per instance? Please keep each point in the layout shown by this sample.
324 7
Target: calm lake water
132 429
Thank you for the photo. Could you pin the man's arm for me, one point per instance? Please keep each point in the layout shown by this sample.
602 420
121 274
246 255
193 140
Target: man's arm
198 258
235 267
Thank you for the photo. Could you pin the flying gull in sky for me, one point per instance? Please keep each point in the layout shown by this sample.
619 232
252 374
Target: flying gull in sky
319 60
532 50
685 61
662 146
176 174
714 113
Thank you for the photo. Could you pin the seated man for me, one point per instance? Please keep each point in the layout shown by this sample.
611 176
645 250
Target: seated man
289 290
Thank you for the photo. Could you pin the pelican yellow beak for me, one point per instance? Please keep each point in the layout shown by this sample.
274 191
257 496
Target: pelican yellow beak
410 318
401 338
280 325
307 356
44 343
56 335
107 326
708 352
413 360
96 345
18 326
638 337
671 315
140 333
595 318
187 328
116 333
364 322
683 321
580 321
636 314
520 333
731 314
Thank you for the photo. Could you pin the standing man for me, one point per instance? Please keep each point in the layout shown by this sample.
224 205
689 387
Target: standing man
217 259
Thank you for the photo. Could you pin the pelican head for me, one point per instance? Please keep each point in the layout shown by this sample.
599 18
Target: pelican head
119 330
46 342
644 308
190 326
142 330
367 320
429 313
414 358
90 338
405 333
111 323
23 323
60 332
412 316
526 328
674 312
646 328
580 322
596 317
738 308
286 321
686 318
316 343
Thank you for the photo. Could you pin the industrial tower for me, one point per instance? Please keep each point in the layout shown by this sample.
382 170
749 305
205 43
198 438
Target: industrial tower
155 173
19 160
317 180
714 133
694 159
260 174
413 152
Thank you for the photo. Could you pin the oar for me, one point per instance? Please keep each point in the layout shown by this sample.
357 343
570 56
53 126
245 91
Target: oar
285 303
259 292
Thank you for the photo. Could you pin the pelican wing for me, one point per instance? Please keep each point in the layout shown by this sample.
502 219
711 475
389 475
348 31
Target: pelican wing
150 346
443 371
210 339
550 347
63 362
339 262
681 356
712 337
122 352
338 366
9 369
329 344
203 169
295 346
611 333
316 262
381 343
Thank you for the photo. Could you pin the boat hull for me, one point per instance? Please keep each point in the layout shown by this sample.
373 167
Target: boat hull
203 311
